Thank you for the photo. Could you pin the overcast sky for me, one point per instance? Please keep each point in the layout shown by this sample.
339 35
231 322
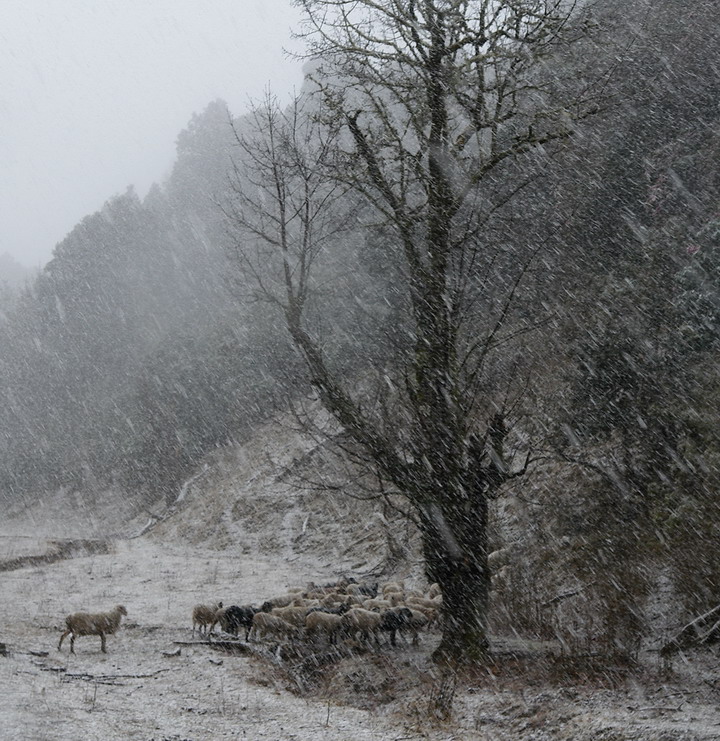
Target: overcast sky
93 94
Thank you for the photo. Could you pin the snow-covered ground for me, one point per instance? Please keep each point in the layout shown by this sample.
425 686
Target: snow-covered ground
135 691
240 535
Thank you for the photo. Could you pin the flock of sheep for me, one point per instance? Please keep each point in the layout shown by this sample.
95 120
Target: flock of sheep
345 609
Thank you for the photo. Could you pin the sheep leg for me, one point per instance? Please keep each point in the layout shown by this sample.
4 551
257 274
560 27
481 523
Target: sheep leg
63 637
72 642
102 642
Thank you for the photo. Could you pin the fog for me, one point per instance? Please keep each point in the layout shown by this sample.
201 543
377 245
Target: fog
93 94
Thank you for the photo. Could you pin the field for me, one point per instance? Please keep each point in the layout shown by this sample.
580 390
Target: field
157 682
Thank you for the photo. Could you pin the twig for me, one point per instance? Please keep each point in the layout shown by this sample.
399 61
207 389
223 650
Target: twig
678 709
110 677
238 646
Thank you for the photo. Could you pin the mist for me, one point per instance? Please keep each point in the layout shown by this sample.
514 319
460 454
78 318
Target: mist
93 94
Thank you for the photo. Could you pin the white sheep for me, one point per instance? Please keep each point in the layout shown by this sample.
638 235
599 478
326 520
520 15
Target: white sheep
204 616
92 624
393 586
417 622
361 621
377 604
434 591
282 601
332 599
433 604
265 624
293 614
323 622
431 613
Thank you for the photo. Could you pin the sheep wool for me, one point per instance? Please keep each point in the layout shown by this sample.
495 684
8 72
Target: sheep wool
92 624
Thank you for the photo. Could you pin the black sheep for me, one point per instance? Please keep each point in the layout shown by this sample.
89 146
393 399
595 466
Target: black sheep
393 620
341 609
370 590
234 618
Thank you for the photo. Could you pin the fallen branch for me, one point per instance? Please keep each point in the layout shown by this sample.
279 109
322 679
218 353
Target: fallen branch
703 630
110 678
228 646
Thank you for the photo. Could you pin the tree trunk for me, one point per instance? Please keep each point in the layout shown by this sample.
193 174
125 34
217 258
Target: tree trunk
465 605
455 550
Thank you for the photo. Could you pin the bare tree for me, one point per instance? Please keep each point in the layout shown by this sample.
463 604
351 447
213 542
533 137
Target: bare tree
421 110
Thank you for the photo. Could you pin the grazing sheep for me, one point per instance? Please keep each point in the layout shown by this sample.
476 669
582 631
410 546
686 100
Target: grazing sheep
316 594
393 586
333 599
377 604
393 620
361 621
233 618
418 620
368 590
429 612
282 601
340 609
319 622
203 616
433 604
92 624
293 614
265 624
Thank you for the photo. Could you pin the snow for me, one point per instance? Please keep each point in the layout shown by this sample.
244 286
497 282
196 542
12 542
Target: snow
187 696
230 539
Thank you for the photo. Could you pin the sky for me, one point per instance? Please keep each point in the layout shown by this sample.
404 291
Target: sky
93 94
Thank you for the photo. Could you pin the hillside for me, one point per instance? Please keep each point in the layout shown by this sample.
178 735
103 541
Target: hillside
242 531
526 359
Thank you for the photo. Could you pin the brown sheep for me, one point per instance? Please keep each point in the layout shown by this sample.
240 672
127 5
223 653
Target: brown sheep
92 624
204 616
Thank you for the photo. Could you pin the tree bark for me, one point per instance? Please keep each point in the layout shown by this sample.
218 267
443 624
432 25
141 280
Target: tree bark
456 557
